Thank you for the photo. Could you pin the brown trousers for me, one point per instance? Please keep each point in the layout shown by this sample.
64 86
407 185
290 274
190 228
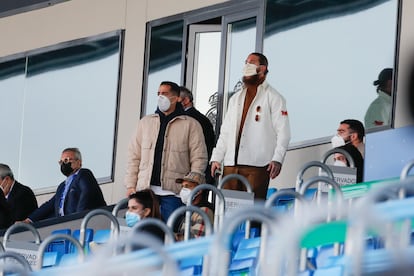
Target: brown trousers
258 178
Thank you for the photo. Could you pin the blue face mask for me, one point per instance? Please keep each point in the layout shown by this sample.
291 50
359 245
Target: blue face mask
131 218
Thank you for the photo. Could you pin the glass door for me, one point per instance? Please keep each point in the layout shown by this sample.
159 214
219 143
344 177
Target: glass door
239 41
215 58
203 67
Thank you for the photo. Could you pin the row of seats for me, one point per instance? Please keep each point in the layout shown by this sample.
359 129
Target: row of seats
323 242
63 251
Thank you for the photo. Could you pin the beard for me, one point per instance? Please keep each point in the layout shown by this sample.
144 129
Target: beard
251 80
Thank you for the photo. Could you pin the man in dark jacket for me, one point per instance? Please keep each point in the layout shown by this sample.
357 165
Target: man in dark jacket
79 192
208 130
5 215
19 198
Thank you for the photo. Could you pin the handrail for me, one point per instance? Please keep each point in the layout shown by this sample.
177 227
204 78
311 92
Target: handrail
188 209
299 198
299 177
82 230
218 214
119 205
406 169
325 179
222 241
341 151
249 189
51 238
123 202
360 221
18 225
388 191
169 235
404 175
169 264
239 177
20 259
271 200
329 181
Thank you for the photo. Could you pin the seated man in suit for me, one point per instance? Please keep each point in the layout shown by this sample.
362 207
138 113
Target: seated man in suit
79 192
20 199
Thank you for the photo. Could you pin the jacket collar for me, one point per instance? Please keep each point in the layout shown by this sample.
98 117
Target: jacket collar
263 86
384 96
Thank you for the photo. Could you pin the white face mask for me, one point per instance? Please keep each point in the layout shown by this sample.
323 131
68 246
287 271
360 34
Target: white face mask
185 195
249 70
337 141
163 103
339 163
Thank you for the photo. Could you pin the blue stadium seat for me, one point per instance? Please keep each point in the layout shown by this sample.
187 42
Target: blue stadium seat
193 264
270 191
102 236
239 235
245 258
329 271
88 239
50 259
59 246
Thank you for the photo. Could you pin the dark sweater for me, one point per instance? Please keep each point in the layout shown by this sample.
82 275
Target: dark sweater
164 120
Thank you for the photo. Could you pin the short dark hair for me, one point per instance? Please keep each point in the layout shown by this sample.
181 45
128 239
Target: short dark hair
356 126
186 93
262 60
6 171
174 87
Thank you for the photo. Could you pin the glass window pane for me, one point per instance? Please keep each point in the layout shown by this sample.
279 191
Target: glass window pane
164 61
324 60
67 99
241 42
12 76
205 82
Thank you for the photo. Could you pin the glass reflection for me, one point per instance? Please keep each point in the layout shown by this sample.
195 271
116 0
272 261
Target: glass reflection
379 111
241 41
12 75
325 58
164 61
207 61
68 98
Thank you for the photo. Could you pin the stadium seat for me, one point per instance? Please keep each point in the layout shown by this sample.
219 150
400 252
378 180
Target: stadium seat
88 238
60 246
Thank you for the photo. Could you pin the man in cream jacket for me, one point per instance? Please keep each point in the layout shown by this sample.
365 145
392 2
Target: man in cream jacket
166 146
255 133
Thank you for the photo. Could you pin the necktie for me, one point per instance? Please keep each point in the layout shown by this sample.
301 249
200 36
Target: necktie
62 197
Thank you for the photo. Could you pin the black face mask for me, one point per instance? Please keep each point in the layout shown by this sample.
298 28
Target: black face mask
66 169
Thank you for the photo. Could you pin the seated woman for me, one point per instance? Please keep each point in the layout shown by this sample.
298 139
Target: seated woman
188 183
144 204
141 205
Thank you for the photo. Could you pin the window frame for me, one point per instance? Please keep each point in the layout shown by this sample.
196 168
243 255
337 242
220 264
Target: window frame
61 46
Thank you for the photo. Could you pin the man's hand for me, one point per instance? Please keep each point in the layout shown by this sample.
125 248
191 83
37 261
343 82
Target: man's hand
274 169
27 220
130 190
215 166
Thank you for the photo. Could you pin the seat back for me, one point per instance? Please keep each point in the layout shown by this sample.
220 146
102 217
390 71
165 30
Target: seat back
88 238
59 246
